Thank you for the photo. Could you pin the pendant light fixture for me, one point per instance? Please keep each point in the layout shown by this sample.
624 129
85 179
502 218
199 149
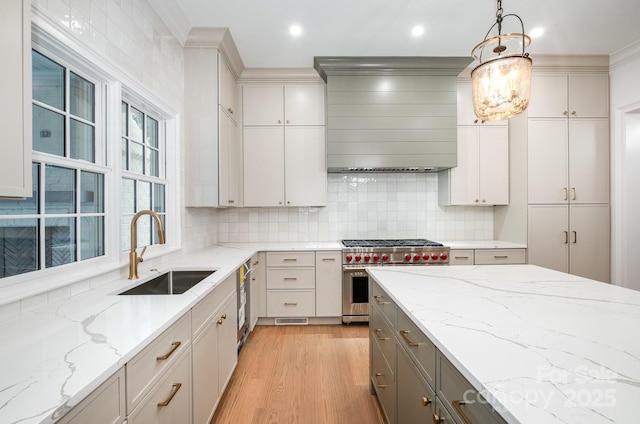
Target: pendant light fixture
501 83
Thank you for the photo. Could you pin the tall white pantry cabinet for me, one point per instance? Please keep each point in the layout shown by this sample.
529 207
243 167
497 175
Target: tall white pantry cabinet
568 173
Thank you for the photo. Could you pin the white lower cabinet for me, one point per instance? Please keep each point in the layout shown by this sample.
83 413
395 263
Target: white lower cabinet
169 401
328 284
487 256
105 405
291 284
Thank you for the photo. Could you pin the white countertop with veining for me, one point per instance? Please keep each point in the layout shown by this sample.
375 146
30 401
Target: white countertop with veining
540 345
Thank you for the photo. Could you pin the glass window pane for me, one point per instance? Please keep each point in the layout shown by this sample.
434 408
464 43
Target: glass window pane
135 158
128 197
151 161
82 97
124 154
59 241
60 188
125 121
151 133
48 131
18 246
143 196
91 192
158 198
48 81
23 206
135 125
92 237
82 141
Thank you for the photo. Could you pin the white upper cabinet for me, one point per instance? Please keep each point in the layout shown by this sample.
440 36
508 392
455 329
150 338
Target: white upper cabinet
15 108
304 104
263 166
305 166
572 95
262 105
227 88
278 104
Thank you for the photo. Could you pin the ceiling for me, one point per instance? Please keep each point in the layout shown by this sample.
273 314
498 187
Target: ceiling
260 28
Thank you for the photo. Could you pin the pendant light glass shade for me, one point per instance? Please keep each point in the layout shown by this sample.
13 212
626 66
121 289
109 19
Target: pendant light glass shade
501 83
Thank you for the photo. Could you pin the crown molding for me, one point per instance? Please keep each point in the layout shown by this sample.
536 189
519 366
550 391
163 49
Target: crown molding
305 75
217 38
626 55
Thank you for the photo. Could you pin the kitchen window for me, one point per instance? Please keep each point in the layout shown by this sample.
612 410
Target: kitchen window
143 183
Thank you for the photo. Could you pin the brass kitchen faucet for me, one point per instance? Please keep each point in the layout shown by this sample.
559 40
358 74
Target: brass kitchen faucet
134 259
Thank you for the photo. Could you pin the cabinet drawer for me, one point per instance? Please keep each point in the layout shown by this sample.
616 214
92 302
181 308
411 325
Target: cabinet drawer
453 389
461 257
382 300
500 256
145 368
290 303
383 383
208 306
280 259
169 401
418 346
291 278
105 405
415 397
383 336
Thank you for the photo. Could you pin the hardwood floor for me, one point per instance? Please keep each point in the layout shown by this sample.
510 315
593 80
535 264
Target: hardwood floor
301 375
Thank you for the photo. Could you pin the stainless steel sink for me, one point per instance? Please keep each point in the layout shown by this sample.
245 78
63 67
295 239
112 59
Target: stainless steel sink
172 282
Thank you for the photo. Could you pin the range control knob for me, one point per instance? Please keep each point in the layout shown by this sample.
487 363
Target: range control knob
376 258
367 258
349 258
443 256
416 257
426 257
434 256
385 258
358 258
407 257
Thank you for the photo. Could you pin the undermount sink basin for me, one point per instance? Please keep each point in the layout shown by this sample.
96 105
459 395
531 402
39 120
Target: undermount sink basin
172 282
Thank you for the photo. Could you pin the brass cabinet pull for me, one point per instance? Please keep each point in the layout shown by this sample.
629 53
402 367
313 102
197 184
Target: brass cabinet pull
289 259
231 202
565 113
437 419
573 113
425 401
566 237
174 389
290 278
461 257
573 193
379 302
222 318
500 256
575 237
174 346
230 111
328 259
382 386
457 406
290 303
404 333
566 193
378 331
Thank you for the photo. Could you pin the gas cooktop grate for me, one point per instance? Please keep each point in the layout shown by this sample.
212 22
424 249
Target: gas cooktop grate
391 243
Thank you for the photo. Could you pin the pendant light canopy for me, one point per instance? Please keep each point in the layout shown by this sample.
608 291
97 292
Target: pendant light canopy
501 83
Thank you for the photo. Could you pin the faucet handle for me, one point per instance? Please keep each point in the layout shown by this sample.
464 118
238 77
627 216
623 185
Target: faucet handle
142 253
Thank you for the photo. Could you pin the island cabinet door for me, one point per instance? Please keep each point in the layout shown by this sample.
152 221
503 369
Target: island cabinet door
415 397
383 382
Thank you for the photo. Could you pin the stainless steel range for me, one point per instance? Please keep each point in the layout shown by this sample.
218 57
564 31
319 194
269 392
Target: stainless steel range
358 254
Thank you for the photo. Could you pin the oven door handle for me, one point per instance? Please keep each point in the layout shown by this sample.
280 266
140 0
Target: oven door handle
354 268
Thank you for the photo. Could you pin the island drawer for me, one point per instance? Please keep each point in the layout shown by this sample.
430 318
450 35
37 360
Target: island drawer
382 300
383 335
290 303
291 278
461 399
207 307
147 366
278 259
418 346
461 257
383 381
500 256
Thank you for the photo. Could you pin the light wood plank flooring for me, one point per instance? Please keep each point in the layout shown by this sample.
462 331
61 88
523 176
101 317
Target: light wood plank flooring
301 375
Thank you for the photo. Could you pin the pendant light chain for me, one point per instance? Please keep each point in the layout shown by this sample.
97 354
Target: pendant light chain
499 17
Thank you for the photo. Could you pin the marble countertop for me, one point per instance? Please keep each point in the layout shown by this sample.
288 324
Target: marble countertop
483 244
541 346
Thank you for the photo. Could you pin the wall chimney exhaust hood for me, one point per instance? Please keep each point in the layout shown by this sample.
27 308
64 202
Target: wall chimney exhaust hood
391 114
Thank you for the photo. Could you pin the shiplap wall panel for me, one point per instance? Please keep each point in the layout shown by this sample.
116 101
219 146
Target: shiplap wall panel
391 121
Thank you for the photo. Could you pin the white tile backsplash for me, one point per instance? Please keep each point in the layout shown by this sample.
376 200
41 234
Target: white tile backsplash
366 205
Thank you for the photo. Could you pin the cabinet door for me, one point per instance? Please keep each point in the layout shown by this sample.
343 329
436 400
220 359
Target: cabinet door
589 161
415 398
548 161
548 242
227 342
464 177
15 108
230 162
205 373
227 84
549 95
304 104
262 104
263 166
258 290
328 284
493 166
305 166
589 241
588 95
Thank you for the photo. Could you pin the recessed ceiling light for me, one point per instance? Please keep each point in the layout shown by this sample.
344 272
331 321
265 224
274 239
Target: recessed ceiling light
537 32
417 31
295 30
